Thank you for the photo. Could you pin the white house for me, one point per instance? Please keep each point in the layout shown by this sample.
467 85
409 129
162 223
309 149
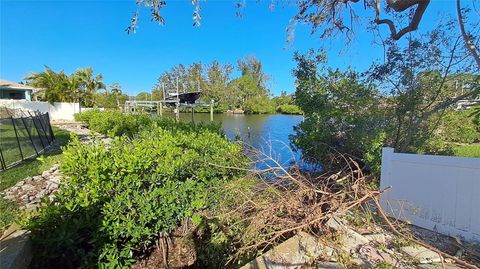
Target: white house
15 91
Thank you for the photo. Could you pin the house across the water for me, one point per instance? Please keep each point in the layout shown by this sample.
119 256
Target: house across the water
16 91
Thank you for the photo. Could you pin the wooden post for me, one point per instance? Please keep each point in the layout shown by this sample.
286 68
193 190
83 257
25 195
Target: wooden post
177 111
193 114
211 110
161 109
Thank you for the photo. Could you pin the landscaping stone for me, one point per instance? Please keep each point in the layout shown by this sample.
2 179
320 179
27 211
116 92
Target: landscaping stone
422 254
376 255
329 265
298 251
28 187
16 251
378 238
351 240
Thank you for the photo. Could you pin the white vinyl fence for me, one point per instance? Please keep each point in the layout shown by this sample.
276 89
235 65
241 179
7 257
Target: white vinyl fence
439 193
57 110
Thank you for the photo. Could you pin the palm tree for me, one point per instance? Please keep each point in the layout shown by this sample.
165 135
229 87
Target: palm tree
89 84
54 86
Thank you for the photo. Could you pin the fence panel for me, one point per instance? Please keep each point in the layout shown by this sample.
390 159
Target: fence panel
439 193
22 136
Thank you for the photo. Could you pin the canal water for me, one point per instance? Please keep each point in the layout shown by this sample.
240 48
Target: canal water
267 133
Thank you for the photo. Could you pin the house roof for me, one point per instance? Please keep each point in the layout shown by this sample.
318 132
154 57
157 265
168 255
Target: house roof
5 84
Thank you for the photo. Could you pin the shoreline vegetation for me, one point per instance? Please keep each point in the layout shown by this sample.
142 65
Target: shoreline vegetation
121 201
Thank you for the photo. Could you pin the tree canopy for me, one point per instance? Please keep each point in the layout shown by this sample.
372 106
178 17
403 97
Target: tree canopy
80 86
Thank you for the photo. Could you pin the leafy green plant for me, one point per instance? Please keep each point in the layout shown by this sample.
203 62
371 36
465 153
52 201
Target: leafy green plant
289 109
119 199
113 123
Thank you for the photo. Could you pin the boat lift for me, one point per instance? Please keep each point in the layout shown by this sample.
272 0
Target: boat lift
171 99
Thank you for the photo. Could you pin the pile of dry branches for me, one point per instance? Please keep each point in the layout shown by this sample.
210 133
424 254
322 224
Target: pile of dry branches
281 202
284 201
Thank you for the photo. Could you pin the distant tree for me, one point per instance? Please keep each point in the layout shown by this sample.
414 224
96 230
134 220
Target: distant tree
54 86
115 88
251 66
89 84
143 96
218 77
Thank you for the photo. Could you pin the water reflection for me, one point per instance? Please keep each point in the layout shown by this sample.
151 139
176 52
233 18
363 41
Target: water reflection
267 133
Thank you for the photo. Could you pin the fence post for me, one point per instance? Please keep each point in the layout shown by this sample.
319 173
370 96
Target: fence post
2 161
34 119
29 135
16 135
43 128
52 135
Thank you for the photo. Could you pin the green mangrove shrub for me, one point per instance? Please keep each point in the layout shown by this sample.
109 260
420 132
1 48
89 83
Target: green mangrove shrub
118 200
113 123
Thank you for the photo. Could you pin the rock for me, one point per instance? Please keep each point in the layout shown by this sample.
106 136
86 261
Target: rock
37 178
28 179
438 266
20 183
422 254
16 250
24 198
31 198
9 197
375 255
299 250
54 168
52 186
46 174
40 194
30 206
329 265
377 238
350 240
56 179
28 187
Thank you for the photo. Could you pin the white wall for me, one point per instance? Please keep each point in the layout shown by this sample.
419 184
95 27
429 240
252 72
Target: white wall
440 193
57 110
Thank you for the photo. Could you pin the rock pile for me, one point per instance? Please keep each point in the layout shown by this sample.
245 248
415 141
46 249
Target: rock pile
29 192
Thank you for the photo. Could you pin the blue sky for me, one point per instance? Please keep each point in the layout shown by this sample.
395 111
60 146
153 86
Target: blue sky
66 35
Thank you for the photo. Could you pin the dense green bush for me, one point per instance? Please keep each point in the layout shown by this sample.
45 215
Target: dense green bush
113 123
119 199
289 109
259 105
86 115
459 127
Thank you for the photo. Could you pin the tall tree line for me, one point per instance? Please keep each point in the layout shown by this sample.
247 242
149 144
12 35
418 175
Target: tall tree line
248 92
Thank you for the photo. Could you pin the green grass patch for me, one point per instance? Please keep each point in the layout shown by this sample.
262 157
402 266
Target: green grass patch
34 166
8 212
472 150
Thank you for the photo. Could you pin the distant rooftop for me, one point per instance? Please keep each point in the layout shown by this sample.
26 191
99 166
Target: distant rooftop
5 84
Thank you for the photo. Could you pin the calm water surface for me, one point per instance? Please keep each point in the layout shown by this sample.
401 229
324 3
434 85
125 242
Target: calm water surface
267 133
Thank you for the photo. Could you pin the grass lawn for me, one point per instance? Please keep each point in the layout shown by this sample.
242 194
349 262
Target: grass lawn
8 212
472 150
30 167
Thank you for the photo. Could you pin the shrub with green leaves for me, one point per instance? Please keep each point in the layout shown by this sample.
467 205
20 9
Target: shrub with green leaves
119 199
113 123
86 115
459 127
289 109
